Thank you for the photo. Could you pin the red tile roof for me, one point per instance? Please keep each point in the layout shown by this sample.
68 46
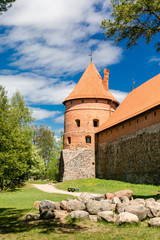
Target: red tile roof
90 86
138 101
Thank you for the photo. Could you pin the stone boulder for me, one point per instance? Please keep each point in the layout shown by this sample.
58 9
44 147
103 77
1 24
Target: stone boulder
128 193
79 214
74 205
138 201
94 207
109 196
93 218
126 217
32 216
140 211
85 196
57 205
154 222
155 209
108 216
115 200
63 205
120 207
125 199
46 209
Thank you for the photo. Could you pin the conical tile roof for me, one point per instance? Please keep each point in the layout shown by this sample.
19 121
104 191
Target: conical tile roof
90 86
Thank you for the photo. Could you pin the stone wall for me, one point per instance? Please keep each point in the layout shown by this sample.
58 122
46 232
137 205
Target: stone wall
133 158
77 164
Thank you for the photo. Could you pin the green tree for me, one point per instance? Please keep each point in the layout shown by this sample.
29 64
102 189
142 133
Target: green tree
15 139
133 19
5 4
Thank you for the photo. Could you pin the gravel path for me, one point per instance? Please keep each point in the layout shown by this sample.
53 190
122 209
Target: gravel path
51 189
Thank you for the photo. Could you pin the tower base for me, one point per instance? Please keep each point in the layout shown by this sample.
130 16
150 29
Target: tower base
77 164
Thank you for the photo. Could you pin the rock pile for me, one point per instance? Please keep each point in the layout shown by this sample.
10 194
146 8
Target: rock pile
119 207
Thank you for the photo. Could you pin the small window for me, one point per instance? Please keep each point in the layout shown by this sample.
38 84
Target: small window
71 102
137 120
88 139
95 123
96 101
78 122
69 140
155 113
146 117
82 101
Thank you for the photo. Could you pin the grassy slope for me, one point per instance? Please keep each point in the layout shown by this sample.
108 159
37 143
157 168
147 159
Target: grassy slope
13 205
103 186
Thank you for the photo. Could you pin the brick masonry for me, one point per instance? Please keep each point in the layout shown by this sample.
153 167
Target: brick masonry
133 158
77 164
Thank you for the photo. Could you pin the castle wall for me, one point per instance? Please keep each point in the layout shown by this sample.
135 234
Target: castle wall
77 164
130 151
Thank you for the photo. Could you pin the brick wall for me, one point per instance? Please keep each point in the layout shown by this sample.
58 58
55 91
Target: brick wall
131 154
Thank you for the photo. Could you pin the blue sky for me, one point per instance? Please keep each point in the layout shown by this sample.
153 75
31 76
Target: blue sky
44 50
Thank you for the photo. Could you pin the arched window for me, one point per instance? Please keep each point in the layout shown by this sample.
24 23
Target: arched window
88 139
69 140
78 122
95 123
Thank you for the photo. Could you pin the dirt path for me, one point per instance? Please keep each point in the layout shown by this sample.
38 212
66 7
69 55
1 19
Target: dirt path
51 189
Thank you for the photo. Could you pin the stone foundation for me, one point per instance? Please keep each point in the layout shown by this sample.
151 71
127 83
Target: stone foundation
133 158
77 164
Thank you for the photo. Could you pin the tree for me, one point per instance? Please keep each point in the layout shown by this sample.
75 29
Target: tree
5 4
15 139
133 19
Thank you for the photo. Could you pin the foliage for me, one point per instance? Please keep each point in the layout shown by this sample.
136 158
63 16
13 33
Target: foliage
49 149
5 4
133 19
15 139
38 167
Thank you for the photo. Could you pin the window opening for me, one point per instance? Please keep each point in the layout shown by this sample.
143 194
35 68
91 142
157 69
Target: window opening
69 140
88 139
78 122
95 123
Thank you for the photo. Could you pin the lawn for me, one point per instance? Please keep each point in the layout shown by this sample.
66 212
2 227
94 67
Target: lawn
14 205
103 186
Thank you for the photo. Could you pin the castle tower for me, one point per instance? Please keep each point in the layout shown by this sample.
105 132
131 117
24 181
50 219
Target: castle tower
88 106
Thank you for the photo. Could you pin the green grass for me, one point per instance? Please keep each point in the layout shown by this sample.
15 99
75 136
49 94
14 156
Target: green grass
39 182
14 205
103 186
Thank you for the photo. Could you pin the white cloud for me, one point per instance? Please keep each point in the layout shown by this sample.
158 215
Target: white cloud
37 89
59 119
119 95
154 59
40 114
52 37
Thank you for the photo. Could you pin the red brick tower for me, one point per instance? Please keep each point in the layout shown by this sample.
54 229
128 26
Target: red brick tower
89 105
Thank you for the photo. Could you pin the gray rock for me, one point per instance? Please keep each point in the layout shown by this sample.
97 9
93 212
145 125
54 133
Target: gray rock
155 209
84 197
94 207
120 207
115 200
63 205
138 201
154 222
79 214
124 199
46 209
32 216
74 205
138 210
108 216
57 205
128 193
126 217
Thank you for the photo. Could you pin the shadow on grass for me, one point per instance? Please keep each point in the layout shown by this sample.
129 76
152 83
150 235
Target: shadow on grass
10 222
156 197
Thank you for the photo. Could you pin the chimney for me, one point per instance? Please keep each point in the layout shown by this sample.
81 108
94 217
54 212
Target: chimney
106 77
